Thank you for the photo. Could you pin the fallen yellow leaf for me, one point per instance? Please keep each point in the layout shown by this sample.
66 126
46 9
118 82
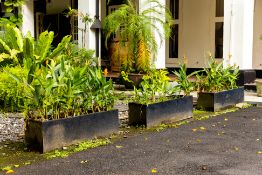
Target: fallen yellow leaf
154 170
259 152
84 161
194 129
198 140
202 128
16 166
119 146
226 119
10 172
236 148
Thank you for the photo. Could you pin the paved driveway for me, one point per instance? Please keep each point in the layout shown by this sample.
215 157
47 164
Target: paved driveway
226 144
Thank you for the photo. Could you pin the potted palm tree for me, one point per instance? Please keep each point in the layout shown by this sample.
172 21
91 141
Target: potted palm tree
136 31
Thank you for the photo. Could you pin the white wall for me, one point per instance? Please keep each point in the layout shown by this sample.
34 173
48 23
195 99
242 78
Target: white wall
257 49
159 61
28 17
238 29
86 7
57 6
196 33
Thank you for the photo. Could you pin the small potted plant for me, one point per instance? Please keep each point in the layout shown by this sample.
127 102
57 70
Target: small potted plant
217 87
158 101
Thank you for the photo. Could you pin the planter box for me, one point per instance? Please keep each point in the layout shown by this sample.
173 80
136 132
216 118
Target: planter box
220 100
49 135
163 112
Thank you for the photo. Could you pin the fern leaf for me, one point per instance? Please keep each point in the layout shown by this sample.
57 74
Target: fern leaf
143 57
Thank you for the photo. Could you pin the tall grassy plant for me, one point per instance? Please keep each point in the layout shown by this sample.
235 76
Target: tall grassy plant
136 30
216 78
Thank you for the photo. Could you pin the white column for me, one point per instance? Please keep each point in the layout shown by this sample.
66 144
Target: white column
238 33
28 17
160 60
88 38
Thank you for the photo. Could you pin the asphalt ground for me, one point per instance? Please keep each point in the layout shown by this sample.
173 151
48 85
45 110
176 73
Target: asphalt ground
229 144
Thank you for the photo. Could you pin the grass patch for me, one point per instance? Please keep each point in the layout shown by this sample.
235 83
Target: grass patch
77 148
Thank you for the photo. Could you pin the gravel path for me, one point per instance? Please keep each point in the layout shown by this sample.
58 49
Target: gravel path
11 127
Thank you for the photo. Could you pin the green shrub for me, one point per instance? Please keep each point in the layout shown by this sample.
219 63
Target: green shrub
155 87
12 93
216 78
61 90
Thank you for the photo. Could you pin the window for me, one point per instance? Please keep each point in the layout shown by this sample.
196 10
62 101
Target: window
173 40
219 28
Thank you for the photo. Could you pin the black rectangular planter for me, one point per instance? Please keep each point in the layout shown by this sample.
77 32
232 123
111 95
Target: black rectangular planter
49 135
220 100
163 112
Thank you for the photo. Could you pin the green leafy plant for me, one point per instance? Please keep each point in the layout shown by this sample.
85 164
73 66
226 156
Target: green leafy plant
136 31
15 20
60 82
80 56
61 90
155 87
183 80
217 78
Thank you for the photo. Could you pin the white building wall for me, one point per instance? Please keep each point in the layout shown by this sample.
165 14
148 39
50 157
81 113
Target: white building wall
238 33
160 58
257 42
28 17
196 33
88 36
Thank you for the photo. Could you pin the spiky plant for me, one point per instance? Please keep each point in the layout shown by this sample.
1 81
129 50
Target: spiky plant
138 29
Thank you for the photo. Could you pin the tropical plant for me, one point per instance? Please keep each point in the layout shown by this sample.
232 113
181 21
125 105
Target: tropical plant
80 56
217 78
136 31
183 80
155 87
61 90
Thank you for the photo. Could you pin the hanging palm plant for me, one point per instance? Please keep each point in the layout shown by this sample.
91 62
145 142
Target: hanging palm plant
138 30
